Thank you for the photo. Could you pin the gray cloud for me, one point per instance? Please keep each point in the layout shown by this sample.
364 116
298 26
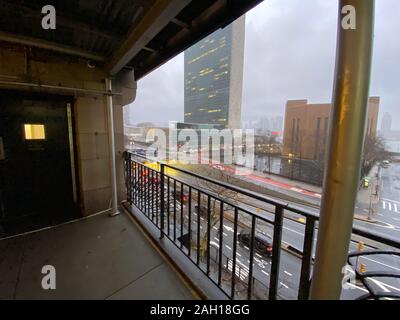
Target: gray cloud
289 54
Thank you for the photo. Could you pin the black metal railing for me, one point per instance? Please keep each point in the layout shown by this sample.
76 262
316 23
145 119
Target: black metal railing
236 245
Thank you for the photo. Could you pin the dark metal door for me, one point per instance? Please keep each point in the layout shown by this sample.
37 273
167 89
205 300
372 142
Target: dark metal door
35 168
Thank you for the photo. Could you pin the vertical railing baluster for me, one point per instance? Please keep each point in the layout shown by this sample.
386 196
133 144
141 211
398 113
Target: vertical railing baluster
152 191
141 190
234 245
169 206
304 286
182 201
276 253
198 226
162 199
174 210
251 257
221 227
190 221
208 233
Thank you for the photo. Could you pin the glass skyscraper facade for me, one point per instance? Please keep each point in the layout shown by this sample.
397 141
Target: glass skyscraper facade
214 76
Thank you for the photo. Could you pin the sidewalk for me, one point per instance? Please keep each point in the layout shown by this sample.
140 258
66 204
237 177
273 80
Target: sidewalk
368 198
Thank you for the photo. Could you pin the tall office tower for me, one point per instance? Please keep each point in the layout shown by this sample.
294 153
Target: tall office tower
214 77
386 124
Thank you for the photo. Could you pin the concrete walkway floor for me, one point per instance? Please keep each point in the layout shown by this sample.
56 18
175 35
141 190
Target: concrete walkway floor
95 258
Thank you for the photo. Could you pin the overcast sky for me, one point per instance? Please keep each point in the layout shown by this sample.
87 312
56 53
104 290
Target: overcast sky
289 54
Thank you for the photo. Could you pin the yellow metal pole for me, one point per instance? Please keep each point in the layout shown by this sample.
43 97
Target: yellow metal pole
347 126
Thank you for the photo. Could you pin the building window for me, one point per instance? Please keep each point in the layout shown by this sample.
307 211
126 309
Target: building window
34 132
317 134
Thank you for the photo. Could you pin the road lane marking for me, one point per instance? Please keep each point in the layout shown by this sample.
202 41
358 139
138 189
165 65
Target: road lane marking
384 204
356 287
299 233
228 247
284 285
398 202
247 248
224 234
390 206
238 254
228 228
288 273
395 207
215 244
386 285
266 273
216 239
384 264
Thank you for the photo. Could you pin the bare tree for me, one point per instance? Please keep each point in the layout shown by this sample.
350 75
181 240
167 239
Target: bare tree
374 152
217 192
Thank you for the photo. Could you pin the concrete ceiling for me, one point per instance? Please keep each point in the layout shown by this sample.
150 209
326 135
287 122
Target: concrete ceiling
138 34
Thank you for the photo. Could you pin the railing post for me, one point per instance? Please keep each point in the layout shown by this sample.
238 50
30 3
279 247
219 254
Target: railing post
276 253
304 287
347 126
162 202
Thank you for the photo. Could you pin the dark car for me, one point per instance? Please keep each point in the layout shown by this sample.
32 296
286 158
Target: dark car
262 243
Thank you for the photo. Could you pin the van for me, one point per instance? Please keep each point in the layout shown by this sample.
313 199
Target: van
262 243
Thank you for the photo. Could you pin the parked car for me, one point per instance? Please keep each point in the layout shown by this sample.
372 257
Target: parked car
385 163
262 243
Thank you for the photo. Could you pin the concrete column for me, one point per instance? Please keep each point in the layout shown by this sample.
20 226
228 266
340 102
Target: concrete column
347 126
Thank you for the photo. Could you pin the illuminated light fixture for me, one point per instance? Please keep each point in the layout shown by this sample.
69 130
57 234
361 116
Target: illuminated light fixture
34 132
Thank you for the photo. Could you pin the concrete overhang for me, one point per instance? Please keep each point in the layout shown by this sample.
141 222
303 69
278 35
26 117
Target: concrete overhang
139 35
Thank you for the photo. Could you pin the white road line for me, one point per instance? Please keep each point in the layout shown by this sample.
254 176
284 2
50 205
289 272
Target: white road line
299 233
288 273
266 273
247 248
384 204
395 207
398 202
386 265
386 285
238 254
356 287
228 247
216 239
224 234
258 255
215 244
379 284
390 206
284 285
215 228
